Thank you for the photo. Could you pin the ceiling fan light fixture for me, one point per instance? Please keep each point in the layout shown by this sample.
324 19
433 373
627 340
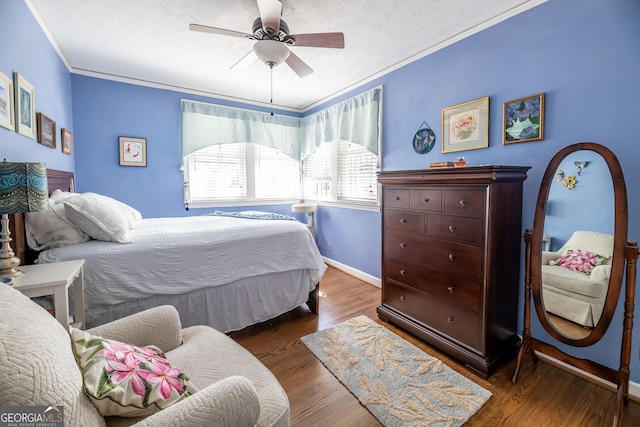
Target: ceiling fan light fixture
271 52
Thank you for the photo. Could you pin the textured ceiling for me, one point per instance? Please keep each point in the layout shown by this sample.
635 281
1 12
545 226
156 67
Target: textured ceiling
149 42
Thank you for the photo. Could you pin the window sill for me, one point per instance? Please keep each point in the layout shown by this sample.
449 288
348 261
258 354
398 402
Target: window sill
227 204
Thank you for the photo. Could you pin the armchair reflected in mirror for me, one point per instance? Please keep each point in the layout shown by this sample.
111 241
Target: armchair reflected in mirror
576 282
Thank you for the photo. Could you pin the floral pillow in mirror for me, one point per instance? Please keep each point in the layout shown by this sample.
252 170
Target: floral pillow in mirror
577 260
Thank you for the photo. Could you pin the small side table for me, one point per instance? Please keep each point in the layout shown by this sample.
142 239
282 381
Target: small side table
55 279
309 209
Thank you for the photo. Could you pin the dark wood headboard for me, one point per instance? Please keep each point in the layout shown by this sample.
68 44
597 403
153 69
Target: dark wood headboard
56 180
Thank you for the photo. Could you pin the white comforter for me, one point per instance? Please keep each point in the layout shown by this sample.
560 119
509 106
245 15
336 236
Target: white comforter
179 255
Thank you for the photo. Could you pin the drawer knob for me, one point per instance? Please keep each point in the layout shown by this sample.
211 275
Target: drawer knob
452 257
452 228
425 200
397 198
463 203
402 298
403 245
403 272
450 288
450 319
404 221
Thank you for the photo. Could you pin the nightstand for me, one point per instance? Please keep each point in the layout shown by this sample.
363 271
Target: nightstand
55 279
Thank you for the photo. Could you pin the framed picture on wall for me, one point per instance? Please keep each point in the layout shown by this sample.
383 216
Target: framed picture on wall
6 102
46 131
133 151
523 120
25 96
466 126
67 141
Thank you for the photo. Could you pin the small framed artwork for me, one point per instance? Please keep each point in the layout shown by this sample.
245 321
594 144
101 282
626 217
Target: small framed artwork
46 131
67 141
25 96
133 151
523 119
466 126
6 102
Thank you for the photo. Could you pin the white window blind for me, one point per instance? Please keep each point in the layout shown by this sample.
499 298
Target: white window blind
317 173
341 172
215 173
240 172
277 176
357 178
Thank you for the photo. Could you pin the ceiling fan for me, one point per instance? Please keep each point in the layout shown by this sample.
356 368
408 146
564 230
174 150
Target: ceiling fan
273 39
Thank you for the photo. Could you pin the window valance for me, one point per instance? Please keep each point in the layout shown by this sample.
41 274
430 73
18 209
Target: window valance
208 124
356 119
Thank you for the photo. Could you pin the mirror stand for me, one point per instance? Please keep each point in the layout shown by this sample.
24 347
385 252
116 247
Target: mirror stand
619 377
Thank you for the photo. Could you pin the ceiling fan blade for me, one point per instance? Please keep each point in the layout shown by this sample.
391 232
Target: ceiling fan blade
244 62
221 31
332 40
298 65
270 14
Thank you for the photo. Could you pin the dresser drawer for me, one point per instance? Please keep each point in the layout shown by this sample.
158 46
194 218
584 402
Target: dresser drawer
404 220
426 200
441 316
397 198
446 286
459 228
439 254
468 202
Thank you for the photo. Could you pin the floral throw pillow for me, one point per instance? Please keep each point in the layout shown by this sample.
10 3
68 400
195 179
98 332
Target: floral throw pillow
577 260
127 380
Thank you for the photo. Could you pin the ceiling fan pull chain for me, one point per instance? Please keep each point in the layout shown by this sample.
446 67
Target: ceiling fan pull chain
271 68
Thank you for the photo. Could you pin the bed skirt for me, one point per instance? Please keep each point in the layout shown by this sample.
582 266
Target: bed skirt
228 307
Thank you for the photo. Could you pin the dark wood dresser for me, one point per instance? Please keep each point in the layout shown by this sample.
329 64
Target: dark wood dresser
451 259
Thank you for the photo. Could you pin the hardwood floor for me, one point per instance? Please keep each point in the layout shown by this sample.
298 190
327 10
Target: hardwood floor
544 395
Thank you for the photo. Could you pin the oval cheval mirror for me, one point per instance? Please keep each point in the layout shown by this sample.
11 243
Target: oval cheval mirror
575 259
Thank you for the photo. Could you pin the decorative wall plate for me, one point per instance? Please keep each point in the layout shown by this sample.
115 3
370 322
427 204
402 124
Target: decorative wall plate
424 140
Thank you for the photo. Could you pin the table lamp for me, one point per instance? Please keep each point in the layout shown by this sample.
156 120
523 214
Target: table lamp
309 209
23 188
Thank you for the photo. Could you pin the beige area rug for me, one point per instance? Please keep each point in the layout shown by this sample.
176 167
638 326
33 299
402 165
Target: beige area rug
397 382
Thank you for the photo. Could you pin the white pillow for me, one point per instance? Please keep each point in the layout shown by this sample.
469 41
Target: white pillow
52 228
98 216
133 216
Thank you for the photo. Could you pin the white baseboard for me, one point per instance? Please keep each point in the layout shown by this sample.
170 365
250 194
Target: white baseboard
365 277
634 388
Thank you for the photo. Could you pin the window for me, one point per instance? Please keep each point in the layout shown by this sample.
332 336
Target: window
240 172
234 156
357 178
342 172
317 173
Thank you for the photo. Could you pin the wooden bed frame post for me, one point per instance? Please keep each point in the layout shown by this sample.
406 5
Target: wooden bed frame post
314 300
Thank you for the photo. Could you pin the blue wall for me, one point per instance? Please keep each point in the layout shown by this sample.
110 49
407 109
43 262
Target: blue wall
585 57
26 50
105 110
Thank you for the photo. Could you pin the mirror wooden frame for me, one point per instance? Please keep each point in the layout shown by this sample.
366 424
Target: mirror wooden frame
623 253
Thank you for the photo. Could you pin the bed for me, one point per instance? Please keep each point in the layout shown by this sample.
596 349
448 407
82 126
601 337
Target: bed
224 271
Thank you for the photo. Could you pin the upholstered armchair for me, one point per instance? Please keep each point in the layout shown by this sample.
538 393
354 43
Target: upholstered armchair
38 367
575 278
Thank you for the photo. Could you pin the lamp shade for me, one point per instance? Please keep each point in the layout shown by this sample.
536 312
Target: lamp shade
23 187
271 52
